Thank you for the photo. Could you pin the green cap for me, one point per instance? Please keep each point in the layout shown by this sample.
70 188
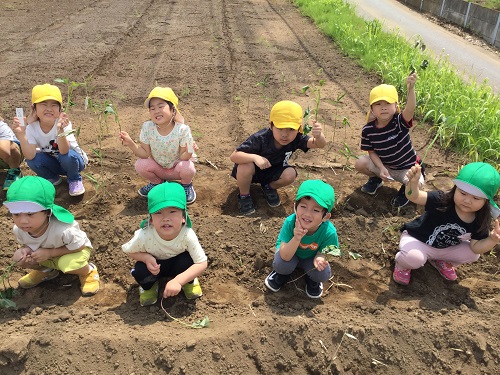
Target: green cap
34 194
168 194
482 180
319 190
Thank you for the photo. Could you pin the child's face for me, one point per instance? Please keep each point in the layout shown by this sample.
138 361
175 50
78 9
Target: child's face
160 111
168 222
284 136
466 203
48 111
310 214
32 222
384 111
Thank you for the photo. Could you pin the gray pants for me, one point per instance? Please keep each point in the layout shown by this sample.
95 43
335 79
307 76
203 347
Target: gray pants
287 267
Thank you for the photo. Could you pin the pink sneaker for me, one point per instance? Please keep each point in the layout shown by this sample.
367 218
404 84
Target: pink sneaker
401 276
445 269
76 188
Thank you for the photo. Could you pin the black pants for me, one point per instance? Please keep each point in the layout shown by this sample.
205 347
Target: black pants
168 268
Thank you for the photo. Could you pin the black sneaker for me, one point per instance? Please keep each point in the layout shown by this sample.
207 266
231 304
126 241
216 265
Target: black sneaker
245 204
274 281
190 193
313 288
143 191
272 197
372 185
400 199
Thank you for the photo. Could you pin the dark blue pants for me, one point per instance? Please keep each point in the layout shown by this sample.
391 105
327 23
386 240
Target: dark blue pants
168 268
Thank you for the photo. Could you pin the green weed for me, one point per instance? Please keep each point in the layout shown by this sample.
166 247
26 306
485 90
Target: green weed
464 114
8 291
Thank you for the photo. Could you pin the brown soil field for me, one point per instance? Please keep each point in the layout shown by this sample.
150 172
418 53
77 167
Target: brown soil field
229 62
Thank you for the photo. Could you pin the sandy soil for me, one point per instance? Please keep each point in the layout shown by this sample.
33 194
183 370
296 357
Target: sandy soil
229 62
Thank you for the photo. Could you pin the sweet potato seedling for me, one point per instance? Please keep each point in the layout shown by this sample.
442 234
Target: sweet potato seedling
201 323
8 291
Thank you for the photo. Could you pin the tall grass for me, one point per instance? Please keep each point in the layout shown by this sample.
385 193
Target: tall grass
465 115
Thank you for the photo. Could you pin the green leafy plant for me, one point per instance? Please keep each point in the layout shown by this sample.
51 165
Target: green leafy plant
317 97
8 291
70 87
201 323
466 112
335 251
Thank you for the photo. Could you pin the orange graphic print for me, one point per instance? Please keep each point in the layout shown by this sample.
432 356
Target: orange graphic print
311 246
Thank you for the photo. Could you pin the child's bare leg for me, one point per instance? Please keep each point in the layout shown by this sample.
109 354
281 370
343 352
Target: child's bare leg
287 177
244 175
362 165
15 156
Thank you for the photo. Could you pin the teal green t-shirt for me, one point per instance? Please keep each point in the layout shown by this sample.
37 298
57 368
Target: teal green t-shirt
309 246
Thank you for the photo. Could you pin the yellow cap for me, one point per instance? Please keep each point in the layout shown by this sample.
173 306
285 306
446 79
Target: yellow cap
286 114
41 93
165 93
384 92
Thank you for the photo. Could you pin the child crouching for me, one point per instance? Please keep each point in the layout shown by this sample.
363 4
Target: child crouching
166 246
51 240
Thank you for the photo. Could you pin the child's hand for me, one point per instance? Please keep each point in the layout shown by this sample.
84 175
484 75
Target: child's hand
410 80
384 174
172 289
125 138
32 117
178 118
317 129
17 128
21 254
261 162
62 122
298 231
495 233
320 263
152 266
41 255
413 174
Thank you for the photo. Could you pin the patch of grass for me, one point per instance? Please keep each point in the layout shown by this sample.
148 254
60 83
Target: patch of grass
463 115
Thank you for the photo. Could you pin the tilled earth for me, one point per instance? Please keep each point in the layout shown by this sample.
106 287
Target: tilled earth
229 62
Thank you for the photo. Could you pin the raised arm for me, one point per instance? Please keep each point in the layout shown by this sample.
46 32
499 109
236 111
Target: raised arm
411 100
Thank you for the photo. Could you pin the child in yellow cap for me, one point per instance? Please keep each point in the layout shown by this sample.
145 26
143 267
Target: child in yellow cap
456 226
48 143
386 138
51 240
302 237
166 148
166 246
10 154
263 157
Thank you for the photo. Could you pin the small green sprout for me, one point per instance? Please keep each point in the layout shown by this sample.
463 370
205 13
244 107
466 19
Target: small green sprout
201 323
335 251
8 291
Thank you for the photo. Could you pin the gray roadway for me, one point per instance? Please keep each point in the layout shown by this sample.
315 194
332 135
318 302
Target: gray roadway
471 60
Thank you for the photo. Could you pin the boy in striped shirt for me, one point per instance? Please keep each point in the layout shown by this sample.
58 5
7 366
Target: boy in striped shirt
386 138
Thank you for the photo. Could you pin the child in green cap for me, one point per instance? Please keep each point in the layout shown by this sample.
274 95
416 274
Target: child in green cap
455 227
51 240
302 237
166 246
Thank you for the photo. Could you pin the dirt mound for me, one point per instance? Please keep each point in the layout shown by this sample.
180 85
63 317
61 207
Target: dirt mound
229 62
